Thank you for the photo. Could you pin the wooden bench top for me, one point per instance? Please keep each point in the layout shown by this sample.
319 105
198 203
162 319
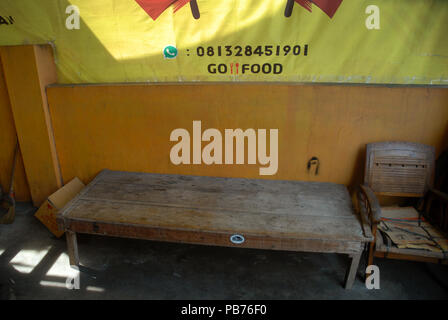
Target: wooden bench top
263 209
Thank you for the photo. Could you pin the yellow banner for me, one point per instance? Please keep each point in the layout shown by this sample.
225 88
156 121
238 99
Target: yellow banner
344 41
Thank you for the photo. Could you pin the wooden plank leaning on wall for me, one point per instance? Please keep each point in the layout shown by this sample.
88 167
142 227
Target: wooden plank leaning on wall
28 70
8 138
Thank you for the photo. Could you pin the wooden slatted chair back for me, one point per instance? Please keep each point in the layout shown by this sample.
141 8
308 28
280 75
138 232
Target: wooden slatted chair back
402 169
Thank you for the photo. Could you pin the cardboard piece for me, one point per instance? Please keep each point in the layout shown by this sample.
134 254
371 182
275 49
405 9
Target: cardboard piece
402 226
48 211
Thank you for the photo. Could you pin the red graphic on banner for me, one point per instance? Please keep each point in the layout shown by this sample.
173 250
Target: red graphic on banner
154 8
328 6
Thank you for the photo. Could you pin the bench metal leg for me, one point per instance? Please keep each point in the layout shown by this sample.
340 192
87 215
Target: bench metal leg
72 248
352 270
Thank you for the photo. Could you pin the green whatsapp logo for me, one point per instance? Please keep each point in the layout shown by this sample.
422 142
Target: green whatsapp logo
170 52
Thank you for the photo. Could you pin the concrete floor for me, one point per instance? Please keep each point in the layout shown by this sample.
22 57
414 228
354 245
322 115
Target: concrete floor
33 265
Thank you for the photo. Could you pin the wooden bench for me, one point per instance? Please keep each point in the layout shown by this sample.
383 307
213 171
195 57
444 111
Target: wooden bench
231 212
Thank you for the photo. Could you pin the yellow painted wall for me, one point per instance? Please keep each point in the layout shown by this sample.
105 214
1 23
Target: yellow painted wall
7 145
127 127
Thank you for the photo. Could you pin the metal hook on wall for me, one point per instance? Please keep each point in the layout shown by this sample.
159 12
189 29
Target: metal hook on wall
313 161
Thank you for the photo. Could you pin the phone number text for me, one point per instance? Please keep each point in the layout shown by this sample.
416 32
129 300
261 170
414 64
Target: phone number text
247 51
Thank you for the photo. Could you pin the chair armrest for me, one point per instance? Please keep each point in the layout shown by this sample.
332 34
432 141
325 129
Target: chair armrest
441 195
372 203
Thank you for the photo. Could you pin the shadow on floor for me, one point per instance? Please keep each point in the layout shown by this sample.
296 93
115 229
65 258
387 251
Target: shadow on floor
34 265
